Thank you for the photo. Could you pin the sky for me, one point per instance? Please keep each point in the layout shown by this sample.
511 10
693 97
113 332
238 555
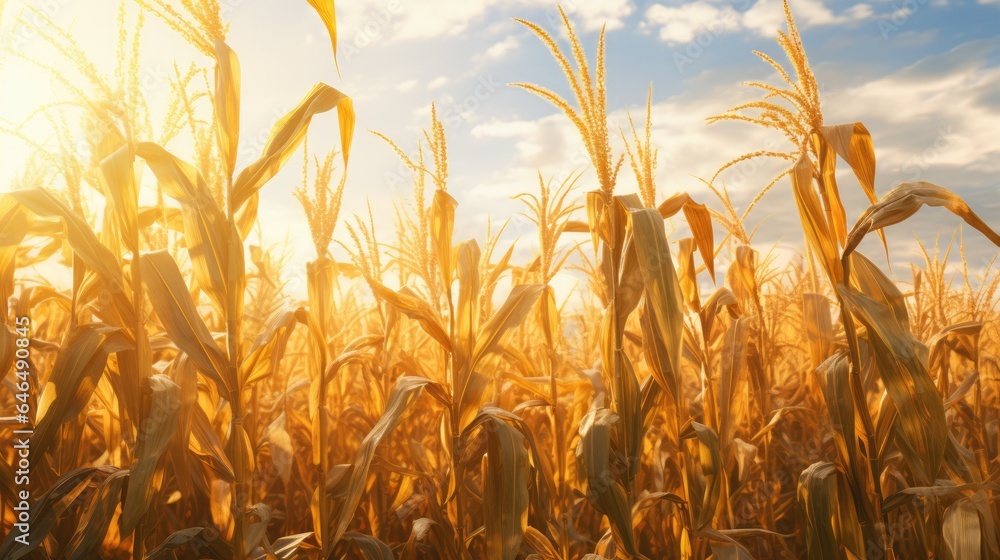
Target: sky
922 75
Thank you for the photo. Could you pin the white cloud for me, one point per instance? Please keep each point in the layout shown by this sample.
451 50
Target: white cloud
499 50
502 129
549 144
685 23
406 85
682 24
859 12
441 17
592 15
934 121
398 20
767 16
552 145
438 82
916 38
900 14
950 118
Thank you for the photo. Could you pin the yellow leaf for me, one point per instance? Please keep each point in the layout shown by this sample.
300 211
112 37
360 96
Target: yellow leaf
227 103
288 134
328 13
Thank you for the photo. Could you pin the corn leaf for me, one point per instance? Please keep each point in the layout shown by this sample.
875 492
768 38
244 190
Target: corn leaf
491 339
663 292
153 436
818 232
442 228
818 327
227 103
96 517
416 309
733 380
903 201
122 191
179 316
406 390
710 461
78 368
365 547
505 485
209 237
853 143
81 239
962 531
903 369
830 525
328 13
284 548
836 216
15 221
203 539
49 507
269 348
602 490
288 134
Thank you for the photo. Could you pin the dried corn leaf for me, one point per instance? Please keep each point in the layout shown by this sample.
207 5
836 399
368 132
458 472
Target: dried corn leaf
154 434
227 104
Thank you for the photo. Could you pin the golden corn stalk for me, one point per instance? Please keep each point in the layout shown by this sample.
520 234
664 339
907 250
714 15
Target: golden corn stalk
180 407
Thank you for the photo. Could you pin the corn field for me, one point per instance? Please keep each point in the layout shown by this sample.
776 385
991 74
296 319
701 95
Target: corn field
700 401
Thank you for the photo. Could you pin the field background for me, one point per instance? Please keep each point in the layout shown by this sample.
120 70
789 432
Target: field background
940 61
551 287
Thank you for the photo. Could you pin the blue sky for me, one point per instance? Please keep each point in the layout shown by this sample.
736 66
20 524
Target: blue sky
924 76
